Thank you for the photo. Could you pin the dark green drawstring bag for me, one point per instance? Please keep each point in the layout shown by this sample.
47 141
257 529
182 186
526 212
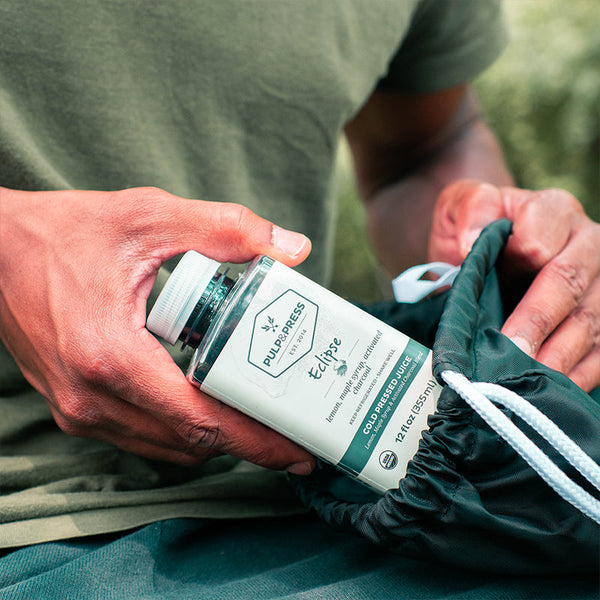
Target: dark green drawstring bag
468 498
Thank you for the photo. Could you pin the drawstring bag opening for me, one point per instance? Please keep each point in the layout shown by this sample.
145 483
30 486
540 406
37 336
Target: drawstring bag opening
506 477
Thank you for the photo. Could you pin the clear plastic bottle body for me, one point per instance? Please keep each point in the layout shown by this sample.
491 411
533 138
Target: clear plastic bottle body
313 367
227 317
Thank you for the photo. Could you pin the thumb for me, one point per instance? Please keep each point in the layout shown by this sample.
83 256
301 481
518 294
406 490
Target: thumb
462 210
481 204
223 231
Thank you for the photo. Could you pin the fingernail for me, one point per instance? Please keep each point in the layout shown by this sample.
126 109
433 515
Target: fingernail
289 242
303 468
522 344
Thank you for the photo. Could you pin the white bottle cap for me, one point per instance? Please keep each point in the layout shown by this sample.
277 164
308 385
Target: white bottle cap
179 296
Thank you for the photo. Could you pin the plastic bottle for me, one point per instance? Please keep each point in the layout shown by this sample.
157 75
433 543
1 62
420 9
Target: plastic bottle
296 357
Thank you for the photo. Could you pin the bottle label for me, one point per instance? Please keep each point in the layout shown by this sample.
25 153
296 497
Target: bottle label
328 375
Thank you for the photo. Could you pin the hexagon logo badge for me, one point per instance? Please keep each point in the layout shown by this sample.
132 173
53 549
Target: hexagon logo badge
283 333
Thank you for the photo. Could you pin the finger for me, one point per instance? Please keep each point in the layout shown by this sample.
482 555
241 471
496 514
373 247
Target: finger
586 374
461 212
152 451
556 291
112 420
484 204
543 223
221 230
576 337
87 412
158 386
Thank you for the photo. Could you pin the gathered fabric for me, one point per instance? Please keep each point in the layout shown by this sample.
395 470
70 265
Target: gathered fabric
469 497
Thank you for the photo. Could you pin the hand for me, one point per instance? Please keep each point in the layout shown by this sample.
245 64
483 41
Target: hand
76 269
557 320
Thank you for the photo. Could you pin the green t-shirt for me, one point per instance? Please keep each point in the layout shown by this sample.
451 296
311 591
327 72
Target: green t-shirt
223 101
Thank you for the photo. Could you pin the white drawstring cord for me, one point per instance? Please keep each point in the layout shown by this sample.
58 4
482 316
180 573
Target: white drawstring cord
546 428
408 287
479 396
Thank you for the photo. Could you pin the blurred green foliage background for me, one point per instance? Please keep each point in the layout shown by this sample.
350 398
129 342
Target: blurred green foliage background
542 98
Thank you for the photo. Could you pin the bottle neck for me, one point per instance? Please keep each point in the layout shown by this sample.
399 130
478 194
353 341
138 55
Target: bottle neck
205 310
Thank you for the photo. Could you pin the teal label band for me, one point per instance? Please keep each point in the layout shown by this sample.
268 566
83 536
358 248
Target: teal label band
388 399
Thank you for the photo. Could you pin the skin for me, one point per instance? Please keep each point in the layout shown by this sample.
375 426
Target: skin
90 259
554 243
432 176
71 323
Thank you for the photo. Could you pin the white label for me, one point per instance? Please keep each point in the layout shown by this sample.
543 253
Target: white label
326 374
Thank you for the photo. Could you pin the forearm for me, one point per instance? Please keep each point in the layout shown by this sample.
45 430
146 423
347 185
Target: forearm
401 197
432 176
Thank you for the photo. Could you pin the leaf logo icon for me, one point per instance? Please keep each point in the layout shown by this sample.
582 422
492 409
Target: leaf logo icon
271 325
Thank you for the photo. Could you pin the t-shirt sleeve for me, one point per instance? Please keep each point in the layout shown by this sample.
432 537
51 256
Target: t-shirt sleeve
449 42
